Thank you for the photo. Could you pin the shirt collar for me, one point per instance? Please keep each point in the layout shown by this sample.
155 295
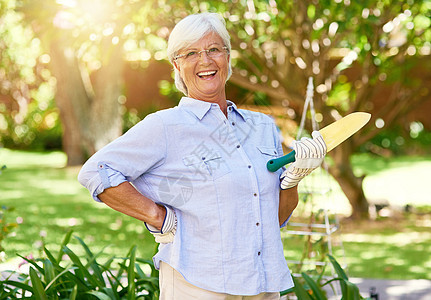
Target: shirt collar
235 108
199 108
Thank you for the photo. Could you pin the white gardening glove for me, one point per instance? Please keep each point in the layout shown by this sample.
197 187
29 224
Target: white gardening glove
309 155
168 230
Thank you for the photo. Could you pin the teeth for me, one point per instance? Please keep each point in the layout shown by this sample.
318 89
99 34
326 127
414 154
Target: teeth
206 73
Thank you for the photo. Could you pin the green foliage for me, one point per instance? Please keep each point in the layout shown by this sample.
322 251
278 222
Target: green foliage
410 139
311 288
68 276
28 118
5 226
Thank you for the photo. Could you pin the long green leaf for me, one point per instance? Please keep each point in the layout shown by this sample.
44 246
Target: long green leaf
351 291
18 284
131 275
99 295
51 283
338 268
92 261
317 291
111 293
154 271
39 268
49 270
300 291
288 291
39 291
91 278
139 271
53 260
65 241
74 293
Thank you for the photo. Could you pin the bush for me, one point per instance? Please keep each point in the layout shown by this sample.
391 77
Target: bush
309 288
66 276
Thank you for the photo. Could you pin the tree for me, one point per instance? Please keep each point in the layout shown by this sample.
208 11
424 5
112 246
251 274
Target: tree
86 42
352 50
22 77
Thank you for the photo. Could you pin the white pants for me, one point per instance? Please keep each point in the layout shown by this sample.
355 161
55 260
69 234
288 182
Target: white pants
173 286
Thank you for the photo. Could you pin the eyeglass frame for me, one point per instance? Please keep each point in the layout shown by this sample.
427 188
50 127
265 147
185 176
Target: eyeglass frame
199 53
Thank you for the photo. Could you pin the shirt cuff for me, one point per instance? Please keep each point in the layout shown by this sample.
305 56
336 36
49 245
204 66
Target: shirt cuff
107 178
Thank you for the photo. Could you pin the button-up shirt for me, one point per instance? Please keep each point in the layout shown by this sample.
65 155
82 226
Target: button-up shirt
211 169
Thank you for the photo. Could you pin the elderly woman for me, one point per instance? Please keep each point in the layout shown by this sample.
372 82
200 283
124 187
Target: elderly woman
196 175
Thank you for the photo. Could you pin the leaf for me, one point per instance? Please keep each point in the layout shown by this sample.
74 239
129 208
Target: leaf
74 293
65 241
288 291
141 273
351 291
18 284
92 261
317 291
83 270
99 295
131 274
59 275
52 259
338 268
300 291
39 291
49 270
39 268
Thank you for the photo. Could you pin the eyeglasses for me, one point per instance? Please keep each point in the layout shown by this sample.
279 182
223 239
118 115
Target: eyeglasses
192 55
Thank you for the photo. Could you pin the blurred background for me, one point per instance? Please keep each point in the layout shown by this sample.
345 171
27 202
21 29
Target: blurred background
76 74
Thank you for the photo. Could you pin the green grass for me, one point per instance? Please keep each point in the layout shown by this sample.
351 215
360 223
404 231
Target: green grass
49 201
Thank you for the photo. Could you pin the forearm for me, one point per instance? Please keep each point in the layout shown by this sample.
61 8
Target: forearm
288 202
127 200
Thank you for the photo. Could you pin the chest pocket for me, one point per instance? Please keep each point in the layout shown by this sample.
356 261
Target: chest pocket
270 151
211 166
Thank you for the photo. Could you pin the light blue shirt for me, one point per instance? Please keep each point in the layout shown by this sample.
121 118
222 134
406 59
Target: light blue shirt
212 171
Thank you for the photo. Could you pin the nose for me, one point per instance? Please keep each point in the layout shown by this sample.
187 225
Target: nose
205 56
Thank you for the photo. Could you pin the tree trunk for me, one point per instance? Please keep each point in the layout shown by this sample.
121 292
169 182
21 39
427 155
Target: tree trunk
71 98
350 184
89 113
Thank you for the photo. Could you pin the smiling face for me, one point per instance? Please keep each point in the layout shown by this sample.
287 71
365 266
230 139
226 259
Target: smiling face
205 77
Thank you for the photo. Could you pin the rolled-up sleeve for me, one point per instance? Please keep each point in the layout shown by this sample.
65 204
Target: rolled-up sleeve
139 150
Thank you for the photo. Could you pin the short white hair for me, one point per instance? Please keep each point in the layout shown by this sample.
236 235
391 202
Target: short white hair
190 30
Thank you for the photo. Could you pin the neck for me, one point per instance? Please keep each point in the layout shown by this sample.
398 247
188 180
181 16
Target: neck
220 100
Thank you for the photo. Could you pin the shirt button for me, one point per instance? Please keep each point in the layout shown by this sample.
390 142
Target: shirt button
255 194
233 123
257 224
238 146
258 253
249 166
203 158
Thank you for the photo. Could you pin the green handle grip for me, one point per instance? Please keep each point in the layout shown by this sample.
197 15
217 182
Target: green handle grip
275 164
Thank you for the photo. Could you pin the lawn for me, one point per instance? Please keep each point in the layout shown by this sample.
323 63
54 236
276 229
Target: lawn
49 201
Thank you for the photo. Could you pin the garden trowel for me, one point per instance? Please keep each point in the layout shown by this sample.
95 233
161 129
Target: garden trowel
333 135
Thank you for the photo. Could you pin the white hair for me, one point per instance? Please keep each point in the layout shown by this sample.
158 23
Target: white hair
191 29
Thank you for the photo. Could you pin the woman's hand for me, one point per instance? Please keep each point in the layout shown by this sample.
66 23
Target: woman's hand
309 155
160 220
168 229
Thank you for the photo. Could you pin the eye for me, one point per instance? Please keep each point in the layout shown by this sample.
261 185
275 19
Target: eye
191 53
214 50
